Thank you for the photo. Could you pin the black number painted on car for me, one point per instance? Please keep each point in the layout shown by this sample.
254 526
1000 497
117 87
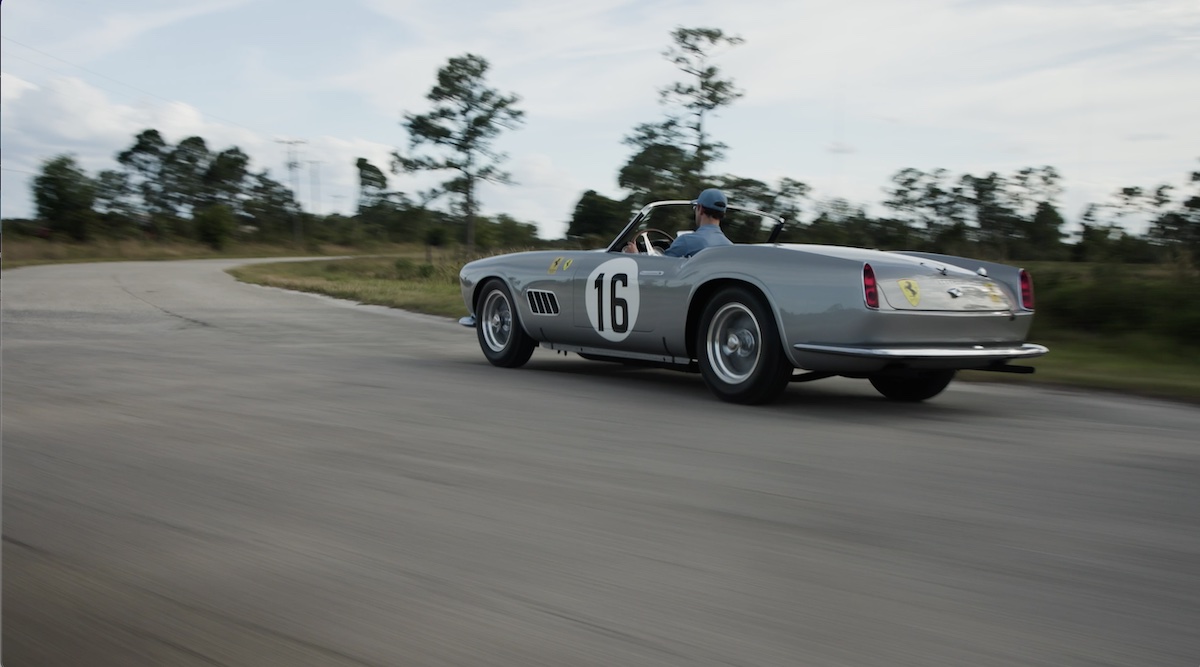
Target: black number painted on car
616 305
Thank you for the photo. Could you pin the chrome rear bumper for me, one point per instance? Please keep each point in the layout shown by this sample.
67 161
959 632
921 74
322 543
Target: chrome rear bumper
974 352
843 359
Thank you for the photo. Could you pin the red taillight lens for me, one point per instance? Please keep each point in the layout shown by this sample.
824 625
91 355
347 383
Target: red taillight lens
870 289
1026 290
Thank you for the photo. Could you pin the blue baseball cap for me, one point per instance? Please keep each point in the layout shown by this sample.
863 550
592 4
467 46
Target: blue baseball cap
711 198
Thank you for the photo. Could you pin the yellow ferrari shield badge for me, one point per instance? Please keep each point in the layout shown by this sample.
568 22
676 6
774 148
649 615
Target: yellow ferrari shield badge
554 265
911 290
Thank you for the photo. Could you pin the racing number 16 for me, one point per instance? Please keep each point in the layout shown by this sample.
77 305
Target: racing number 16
615 303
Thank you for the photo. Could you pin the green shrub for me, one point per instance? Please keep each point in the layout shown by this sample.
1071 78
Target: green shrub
1118 299
405 268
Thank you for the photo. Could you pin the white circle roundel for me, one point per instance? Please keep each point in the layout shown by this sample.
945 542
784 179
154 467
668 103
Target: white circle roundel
612 298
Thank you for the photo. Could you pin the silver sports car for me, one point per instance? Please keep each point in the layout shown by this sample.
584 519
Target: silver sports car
753 317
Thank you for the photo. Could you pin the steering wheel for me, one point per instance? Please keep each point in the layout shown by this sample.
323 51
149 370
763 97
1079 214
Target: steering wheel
653 241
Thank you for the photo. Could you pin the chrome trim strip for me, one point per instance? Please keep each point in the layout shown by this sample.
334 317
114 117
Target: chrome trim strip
1024 351
617 354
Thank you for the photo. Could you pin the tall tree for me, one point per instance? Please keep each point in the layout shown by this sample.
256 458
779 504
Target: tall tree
752 193
116 202
1044 234
701 93
597 216
466 118
63 195
372 184
226 177
144 160
928 201
272 207
655 172
995 210
183 175
671 157
1176 225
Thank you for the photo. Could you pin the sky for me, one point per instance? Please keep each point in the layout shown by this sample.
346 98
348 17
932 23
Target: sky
839 94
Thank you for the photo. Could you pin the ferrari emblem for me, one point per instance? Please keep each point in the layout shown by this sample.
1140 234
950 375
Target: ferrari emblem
911 290
554 265
991 290
567 264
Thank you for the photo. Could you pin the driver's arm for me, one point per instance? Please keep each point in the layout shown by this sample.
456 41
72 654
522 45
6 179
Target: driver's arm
680 247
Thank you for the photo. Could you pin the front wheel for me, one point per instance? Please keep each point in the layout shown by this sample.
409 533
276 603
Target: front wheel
501 337
912 386
741 358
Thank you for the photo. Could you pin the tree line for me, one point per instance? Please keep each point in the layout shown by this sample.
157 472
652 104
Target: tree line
997 216
190 191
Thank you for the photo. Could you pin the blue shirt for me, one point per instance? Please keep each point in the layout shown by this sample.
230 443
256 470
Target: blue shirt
690 244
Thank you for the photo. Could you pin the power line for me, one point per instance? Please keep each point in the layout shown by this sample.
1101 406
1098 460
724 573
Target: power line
314 172
293 165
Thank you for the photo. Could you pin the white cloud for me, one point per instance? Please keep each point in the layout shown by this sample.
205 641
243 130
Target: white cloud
97 35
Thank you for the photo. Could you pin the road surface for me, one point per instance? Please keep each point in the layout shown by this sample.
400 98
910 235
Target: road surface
202 472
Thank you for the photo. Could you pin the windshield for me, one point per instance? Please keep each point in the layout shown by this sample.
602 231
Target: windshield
740 225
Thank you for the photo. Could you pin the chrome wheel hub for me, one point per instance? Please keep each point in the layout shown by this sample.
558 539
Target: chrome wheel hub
733 343
496 321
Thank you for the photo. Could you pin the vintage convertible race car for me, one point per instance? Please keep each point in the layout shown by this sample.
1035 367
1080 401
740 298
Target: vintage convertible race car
753 317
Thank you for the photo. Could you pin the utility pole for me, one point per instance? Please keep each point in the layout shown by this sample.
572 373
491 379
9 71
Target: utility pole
314 172
292 166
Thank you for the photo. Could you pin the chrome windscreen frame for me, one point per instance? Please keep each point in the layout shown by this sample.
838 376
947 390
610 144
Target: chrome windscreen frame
619 242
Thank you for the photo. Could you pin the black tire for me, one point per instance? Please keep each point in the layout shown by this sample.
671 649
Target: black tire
912 386
498 327
737 343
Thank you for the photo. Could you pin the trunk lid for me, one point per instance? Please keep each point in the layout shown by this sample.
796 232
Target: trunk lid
932 287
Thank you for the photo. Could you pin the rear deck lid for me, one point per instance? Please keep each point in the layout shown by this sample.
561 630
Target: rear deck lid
952 291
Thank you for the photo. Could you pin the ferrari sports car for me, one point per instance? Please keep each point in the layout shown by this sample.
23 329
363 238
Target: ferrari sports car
750 318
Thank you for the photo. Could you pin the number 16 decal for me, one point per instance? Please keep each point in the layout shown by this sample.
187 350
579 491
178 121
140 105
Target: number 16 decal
612 298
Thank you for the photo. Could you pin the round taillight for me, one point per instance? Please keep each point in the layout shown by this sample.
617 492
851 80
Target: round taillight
1026 290
870 288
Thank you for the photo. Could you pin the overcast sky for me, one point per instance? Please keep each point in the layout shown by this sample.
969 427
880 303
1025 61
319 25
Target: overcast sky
839 94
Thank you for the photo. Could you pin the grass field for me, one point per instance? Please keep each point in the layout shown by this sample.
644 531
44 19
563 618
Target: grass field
393 281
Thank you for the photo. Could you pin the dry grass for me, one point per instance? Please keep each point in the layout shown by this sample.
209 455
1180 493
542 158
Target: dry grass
28 252
396 282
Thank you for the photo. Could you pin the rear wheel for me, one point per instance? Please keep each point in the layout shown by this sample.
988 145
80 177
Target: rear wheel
501 337
911 386
741 358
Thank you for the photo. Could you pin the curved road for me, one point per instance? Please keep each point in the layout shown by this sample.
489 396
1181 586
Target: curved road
201 472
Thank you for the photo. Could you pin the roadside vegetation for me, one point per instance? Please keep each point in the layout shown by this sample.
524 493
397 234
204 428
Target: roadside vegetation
31 252
405 281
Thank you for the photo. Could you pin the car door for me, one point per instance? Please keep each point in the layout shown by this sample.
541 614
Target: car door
627 302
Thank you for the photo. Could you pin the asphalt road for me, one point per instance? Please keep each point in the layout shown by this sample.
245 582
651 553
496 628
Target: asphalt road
201 472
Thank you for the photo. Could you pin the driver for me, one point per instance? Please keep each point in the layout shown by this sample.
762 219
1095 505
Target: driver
709 210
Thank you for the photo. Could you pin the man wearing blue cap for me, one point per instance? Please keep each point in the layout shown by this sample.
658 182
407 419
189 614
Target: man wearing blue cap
709 210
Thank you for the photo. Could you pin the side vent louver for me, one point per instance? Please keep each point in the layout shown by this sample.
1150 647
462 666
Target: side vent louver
542 302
